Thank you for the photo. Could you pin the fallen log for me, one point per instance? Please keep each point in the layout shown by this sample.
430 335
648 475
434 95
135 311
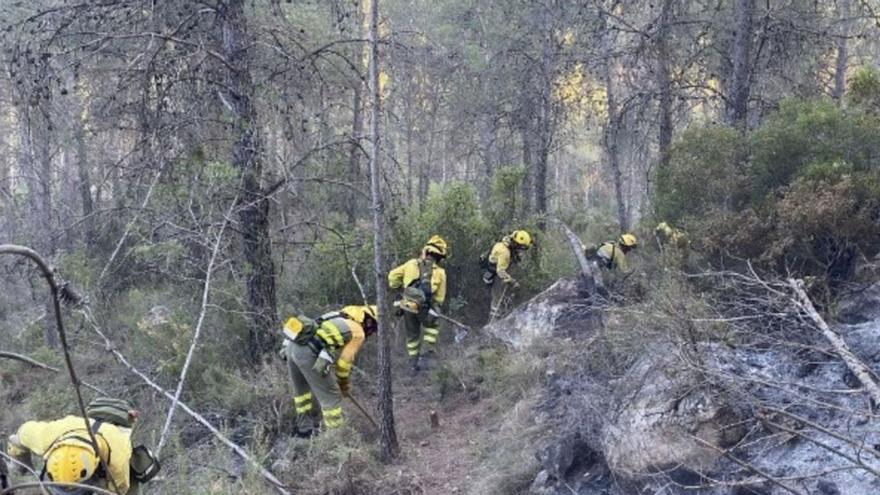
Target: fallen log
858 368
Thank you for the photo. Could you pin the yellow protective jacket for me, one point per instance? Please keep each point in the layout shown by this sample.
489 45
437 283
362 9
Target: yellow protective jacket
501 258
344 336
407 273
114 443
613 256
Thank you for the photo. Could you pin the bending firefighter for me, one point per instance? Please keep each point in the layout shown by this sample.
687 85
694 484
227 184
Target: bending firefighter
673 243
69 456
320 355
423 281
503 255
611 257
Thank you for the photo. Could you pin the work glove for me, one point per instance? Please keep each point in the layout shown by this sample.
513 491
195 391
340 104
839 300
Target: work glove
398 311
433 311
323 363
513 283
345 386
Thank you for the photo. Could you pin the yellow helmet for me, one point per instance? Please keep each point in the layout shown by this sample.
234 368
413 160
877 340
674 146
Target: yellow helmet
436 245
359 313
71 463
521 238
628 240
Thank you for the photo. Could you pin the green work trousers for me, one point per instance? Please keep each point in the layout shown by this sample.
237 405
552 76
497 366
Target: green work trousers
418 341
309 385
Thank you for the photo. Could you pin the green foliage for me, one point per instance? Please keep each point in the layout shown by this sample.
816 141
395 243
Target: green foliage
864 88
817 227
813 179
506 198
804 133
324 280
702 175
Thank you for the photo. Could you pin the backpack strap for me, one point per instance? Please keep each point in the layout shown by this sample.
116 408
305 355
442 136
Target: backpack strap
426 275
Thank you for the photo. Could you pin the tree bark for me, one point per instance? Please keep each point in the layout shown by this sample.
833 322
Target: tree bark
738 102
545 126
357 119
664 85
839 90
35 128
253 206
386 394
84 181
528 148
612 128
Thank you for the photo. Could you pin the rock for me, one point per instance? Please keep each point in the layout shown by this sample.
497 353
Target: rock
861 306
558 457
559 308
542 485
660 407
826 487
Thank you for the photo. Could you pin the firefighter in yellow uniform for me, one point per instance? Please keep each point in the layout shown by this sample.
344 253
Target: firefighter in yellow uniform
313 349
423 281
673 243
611 257
503 255
70 457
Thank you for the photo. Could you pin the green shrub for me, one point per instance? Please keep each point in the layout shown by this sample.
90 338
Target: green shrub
818 227
702 174
864 89
323 279
813 204
805 133
506 199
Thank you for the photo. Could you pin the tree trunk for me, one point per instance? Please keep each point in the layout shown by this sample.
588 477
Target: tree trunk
84 181
545 110
612 129
839 90
738 101
253 205
487 149
357 119
35 128
528 149
386 394
664 85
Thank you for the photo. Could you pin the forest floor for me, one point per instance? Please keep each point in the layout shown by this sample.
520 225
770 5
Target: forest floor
443 460
439 460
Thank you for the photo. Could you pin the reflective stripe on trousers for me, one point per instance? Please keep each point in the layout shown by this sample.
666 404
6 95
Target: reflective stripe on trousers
412 347
303 403
431 335
333 417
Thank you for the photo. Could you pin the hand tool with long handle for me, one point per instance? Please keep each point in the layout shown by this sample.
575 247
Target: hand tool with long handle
362 410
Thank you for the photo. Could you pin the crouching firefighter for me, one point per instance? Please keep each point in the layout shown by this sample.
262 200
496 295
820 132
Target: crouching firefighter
69 456
611 256
496 263
320 355
423 281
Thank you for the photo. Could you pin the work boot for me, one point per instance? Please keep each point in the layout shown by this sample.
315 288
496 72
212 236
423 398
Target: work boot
414 364
306 426
427 361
